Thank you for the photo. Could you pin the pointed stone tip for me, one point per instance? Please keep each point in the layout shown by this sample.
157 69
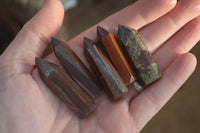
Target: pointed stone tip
98 27
121 27
86 40
102 32
52 38
37 61
88 43
44 66
123 31
55 42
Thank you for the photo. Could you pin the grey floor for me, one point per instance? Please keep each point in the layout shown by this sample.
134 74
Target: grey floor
182 113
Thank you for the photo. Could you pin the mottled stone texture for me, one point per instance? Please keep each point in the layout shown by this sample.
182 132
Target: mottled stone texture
138 55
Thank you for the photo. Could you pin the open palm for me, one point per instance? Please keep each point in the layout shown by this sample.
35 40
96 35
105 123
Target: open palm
169 30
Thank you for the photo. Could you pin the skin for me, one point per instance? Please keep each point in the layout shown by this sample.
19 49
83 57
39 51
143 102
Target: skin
169 30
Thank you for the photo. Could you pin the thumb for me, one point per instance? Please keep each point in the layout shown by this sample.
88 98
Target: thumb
32 40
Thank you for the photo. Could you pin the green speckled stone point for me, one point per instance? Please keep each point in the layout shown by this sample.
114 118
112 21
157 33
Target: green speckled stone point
138 55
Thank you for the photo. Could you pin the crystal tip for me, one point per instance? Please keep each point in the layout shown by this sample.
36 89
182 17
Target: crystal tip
102 32
55 42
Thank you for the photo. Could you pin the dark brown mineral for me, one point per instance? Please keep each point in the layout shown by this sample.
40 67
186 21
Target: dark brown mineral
76 68
65 88
109 77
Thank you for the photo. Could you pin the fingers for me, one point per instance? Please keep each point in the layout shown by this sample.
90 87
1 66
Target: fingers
35 35
182 42
162 29
140 13
150 101
136 15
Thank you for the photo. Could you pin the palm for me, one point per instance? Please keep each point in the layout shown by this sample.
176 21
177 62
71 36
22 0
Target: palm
30 106
37 103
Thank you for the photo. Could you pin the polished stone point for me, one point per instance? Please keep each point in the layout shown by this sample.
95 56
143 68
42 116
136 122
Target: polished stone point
108 41
76 69
139 57
107 74
65 88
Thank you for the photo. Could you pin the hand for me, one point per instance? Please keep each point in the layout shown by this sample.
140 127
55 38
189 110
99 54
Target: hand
169 30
